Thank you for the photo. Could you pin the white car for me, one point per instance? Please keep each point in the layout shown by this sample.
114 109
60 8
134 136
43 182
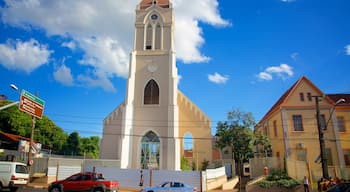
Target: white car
170 186
13 175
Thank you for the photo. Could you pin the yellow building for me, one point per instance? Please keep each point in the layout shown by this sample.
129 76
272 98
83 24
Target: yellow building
291 125
156 123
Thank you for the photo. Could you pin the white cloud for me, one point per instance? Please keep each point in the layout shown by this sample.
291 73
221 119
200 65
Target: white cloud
288 1
265 76
23 56
218 78
63 75
187 16
111 24
347 49
294 56
71 45
103 53
281 71
96 79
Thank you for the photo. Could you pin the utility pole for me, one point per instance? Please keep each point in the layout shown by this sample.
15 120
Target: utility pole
321 139
30 158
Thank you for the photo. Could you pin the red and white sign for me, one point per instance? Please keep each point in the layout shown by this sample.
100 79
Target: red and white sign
31 104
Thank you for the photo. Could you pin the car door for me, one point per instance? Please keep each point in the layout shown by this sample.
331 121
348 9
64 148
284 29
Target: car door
85 183
72 183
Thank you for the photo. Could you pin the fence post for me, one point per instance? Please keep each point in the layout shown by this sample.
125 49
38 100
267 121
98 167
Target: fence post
150 177
57 168
309 173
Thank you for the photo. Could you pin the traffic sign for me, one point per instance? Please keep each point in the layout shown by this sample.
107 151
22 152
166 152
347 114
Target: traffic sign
31 104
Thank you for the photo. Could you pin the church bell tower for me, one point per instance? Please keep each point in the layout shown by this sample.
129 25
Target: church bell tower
150 130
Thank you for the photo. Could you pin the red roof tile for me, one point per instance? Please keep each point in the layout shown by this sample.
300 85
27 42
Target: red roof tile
147 3
13 137
336 97
285 96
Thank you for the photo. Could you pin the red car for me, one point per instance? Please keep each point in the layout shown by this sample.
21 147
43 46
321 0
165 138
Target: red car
88 181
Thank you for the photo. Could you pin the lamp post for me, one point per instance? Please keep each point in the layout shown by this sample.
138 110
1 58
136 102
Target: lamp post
321 134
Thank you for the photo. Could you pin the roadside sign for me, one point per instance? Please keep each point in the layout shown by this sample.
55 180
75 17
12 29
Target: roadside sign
31 104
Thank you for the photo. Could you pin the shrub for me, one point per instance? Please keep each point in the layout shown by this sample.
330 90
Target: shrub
278 178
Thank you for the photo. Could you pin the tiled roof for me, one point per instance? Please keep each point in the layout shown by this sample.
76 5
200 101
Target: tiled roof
13 137
284 97
147 3
336 97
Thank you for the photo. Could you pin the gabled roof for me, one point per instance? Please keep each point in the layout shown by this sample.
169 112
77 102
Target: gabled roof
147 3
336 97
12 137
289 92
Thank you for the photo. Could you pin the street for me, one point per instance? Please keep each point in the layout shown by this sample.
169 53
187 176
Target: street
31 189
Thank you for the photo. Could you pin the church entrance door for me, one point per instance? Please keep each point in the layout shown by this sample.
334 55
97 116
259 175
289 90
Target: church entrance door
150 145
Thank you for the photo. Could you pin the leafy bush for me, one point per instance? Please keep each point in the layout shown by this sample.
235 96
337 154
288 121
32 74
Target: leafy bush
279 179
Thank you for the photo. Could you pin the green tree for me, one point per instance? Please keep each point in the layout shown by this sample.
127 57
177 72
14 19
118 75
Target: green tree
263 144
49 134
89 146
72 146
185 164
236 134
14 121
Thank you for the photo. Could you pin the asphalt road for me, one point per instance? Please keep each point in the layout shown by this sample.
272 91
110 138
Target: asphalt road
31 189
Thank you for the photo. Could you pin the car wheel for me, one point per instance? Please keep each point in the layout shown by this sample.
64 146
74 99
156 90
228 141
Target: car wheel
13 189
99 189
55 189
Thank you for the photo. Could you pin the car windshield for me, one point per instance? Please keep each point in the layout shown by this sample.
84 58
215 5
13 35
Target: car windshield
21 169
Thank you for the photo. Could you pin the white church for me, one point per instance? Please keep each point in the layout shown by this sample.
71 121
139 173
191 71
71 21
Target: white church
150 128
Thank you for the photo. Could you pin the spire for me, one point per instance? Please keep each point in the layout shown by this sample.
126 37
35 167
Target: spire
148 3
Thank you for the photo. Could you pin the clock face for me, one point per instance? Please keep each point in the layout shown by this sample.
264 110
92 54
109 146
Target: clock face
154 17
152 68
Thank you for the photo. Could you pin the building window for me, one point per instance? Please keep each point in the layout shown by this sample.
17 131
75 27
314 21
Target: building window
301 96
149 37
265 130
323 122
275 127
298 123
151 93
341 124
347 157
309 97
329 157
278 154
158 37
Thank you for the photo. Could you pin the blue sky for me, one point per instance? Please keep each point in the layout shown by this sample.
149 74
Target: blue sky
230 53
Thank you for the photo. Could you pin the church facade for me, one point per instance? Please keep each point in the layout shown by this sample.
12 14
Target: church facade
156 124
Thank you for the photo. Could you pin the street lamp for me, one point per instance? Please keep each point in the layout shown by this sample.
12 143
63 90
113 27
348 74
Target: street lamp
11 104
14 87
321 134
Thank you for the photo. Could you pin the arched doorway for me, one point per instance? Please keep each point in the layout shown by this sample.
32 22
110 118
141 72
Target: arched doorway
150 145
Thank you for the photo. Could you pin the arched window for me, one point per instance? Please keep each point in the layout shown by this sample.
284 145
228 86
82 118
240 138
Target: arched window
153 32
149 37
150 145
158 37
188 141
151 93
